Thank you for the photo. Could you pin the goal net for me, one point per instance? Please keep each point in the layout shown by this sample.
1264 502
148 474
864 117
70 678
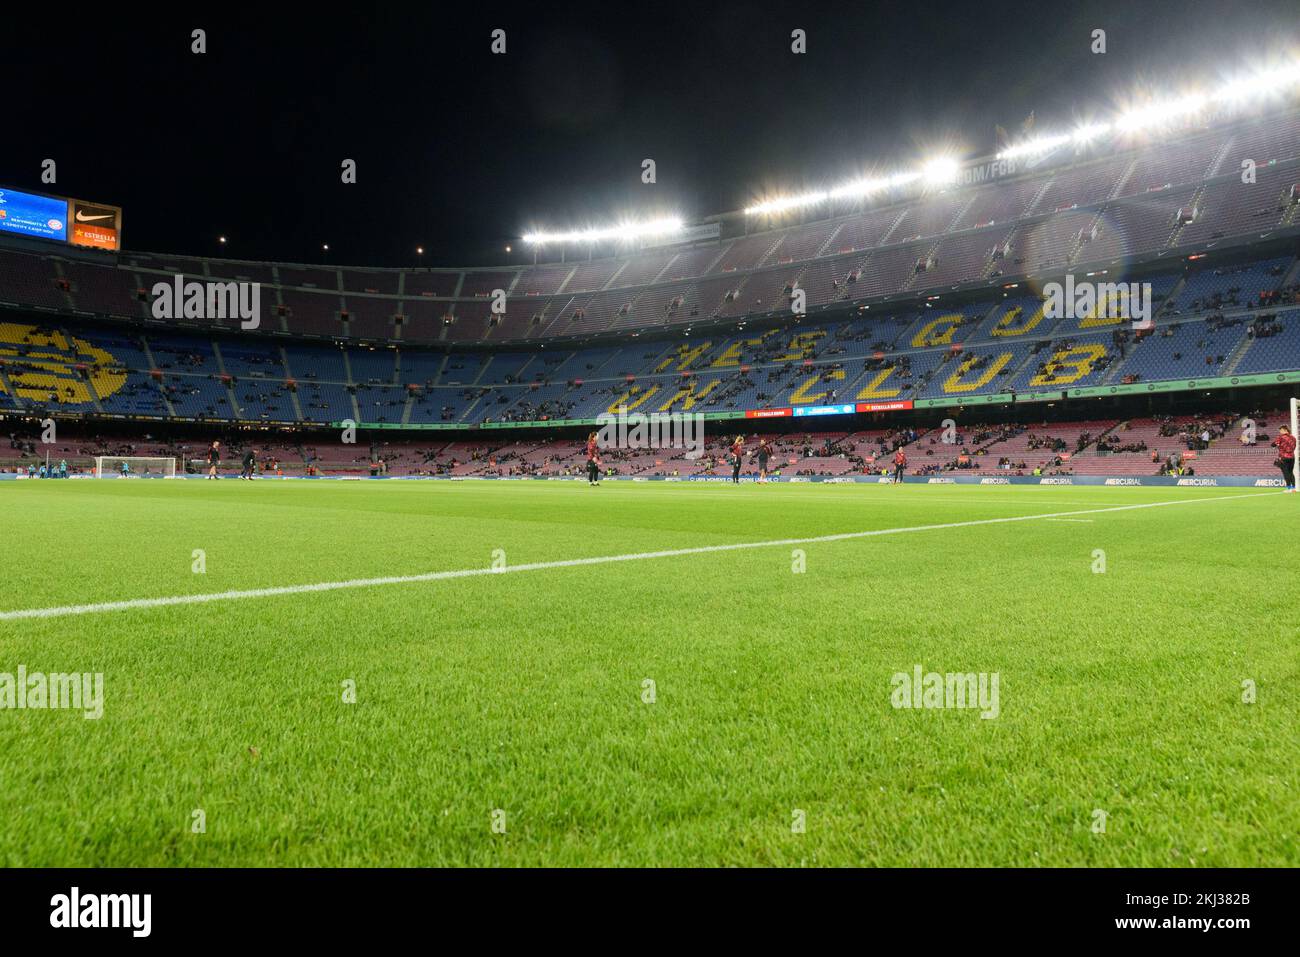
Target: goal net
150 466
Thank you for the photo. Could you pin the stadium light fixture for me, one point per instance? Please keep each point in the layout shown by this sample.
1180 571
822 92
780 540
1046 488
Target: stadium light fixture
1260 83
855 189
941 170
1256 85
1238 91
782 203
1153 115
865 187
1045 144
1041 144
1159 113
1089 132
621 233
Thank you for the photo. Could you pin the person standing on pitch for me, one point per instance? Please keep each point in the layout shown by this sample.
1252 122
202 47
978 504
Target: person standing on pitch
214 458
249 461
593 461
900 463
737 453
1285 444
764 453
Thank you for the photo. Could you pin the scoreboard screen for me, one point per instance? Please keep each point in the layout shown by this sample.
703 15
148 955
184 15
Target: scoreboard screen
28 214
59 219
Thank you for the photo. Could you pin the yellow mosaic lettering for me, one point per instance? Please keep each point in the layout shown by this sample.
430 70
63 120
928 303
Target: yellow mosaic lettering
955 383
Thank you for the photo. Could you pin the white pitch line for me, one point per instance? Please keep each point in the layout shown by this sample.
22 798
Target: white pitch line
1087 521
66 610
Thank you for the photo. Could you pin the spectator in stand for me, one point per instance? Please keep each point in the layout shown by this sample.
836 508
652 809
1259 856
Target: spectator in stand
1285 444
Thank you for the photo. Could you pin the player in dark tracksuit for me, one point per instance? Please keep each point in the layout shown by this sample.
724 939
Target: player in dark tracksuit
249 460
214 459
764 452
900 463
737 454
1285 443
593 460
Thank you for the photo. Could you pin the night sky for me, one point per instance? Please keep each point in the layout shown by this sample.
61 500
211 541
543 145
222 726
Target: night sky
461 151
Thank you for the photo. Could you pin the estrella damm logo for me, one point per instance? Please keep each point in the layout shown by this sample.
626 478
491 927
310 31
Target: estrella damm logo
39 363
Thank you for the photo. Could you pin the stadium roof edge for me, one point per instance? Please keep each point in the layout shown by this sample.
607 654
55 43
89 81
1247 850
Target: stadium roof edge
850 209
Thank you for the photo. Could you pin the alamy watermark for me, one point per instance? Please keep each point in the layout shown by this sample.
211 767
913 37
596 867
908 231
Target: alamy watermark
921 689
1099 300
36 691
658 430
127 911
209 300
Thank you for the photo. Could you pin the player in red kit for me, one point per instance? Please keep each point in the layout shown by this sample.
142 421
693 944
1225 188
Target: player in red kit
900 463
593 461
737 453
1285 444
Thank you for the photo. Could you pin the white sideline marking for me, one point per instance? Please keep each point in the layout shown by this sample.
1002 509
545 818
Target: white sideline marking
66 610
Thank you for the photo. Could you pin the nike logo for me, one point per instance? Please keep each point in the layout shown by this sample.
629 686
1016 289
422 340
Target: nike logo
83 218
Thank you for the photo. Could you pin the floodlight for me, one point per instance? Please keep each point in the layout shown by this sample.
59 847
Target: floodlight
941 170
1159 113
621 232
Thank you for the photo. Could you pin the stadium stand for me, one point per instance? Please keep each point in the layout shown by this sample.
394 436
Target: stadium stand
932 297
1212 321
1094 210
1216 321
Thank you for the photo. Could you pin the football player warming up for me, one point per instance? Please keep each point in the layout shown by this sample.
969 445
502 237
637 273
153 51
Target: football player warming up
593 461
764 453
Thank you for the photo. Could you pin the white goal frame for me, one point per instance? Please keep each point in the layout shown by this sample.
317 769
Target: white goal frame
140 465
1295 431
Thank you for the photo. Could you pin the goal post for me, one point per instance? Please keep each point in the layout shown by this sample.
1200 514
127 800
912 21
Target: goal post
135 466
1295 430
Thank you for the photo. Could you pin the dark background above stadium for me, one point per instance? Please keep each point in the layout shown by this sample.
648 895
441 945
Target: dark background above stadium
459 150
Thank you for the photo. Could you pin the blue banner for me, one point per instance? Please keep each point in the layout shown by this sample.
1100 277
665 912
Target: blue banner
30 215
802 410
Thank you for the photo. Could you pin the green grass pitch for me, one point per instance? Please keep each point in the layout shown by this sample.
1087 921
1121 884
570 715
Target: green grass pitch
1120 692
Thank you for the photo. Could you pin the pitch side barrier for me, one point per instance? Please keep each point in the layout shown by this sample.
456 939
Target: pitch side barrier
1149 481
1155 481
